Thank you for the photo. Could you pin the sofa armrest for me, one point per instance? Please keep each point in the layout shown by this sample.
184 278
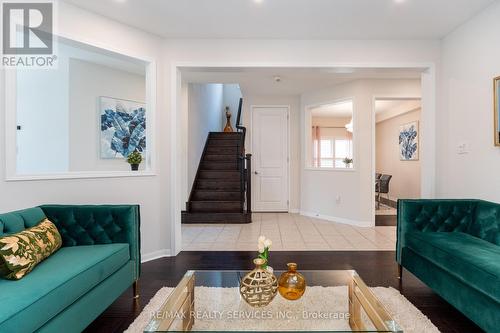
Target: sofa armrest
98 224
432 215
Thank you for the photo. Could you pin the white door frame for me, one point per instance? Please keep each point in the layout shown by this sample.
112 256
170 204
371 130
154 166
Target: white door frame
374 142
178 135
250 141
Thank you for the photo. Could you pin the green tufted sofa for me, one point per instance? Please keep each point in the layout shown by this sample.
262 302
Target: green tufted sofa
454 247
98 261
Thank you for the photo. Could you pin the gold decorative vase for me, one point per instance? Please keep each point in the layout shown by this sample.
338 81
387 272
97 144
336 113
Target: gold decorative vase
228 128
259 287
292 284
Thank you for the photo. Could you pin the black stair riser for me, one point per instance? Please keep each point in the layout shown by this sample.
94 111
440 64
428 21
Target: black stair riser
217 196
215 207
217 185
207 218
220 175
211 165
220 158
225 136
223 150
223 143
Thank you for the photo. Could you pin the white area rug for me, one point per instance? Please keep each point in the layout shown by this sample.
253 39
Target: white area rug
218 310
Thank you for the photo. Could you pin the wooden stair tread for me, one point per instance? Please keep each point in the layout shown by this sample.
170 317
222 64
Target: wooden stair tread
229 218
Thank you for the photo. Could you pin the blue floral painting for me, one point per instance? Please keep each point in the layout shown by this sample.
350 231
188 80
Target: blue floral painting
123 127
408 142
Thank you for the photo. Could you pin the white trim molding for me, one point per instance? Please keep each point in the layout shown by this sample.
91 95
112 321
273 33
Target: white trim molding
364 224
155 255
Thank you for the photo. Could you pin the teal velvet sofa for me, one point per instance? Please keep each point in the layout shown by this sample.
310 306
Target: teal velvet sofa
99 260
453 246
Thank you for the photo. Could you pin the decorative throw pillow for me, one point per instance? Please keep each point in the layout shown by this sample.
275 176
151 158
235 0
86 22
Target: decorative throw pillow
21 252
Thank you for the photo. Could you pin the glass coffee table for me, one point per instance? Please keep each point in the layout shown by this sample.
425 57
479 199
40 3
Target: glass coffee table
334 301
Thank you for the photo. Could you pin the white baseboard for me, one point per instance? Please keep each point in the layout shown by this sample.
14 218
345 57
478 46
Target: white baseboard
294 210
338 219
155 255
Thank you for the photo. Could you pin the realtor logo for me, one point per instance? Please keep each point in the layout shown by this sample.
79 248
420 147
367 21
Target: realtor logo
27 34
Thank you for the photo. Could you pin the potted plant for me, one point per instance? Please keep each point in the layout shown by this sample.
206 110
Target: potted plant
348 161
134 159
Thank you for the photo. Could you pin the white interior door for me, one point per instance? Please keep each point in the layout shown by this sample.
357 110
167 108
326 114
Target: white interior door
270 159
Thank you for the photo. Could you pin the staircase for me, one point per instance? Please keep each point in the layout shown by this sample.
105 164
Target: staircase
220 187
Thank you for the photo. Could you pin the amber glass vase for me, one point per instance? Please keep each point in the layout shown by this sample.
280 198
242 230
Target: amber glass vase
291 284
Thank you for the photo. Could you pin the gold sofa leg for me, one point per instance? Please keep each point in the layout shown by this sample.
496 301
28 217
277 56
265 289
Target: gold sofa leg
135 288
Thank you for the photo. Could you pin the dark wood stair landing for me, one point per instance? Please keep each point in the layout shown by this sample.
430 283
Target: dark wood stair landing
216 193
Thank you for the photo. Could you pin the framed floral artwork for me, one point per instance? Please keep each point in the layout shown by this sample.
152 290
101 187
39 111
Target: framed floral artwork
408 142
123 127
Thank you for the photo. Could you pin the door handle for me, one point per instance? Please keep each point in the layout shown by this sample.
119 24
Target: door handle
256 172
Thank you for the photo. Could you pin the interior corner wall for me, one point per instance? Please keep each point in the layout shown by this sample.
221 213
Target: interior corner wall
205 106
152 193
405 182
465 115
346 195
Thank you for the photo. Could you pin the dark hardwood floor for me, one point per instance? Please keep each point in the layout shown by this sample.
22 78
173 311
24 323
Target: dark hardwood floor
376 269
385 220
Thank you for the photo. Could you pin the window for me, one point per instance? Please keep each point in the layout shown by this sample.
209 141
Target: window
332 135
332 152
343 150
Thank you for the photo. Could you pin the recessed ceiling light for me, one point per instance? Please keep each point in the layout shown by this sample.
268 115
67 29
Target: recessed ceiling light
258 1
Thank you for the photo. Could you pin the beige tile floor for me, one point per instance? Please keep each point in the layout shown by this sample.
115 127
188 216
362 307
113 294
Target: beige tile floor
289 232
385 210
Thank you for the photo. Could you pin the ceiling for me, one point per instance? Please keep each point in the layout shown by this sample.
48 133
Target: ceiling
386 105
335 110
293 81
290 19
390 108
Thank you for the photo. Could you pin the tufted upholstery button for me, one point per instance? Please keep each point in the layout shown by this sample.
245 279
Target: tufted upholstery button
443 217
90 225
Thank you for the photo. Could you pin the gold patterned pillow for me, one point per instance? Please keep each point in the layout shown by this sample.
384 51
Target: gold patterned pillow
21 252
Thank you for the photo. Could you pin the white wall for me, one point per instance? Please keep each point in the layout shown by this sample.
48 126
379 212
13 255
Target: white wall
87 82
470 62
153 192
232 95
205 106
346 195
405 182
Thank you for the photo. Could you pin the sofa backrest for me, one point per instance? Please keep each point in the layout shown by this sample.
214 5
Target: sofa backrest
17 221
486 222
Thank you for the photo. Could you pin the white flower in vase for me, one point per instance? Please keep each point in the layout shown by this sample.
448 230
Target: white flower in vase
263 246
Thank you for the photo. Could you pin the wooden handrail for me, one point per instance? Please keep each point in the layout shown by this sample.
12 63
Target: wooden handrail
240 128
245 165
